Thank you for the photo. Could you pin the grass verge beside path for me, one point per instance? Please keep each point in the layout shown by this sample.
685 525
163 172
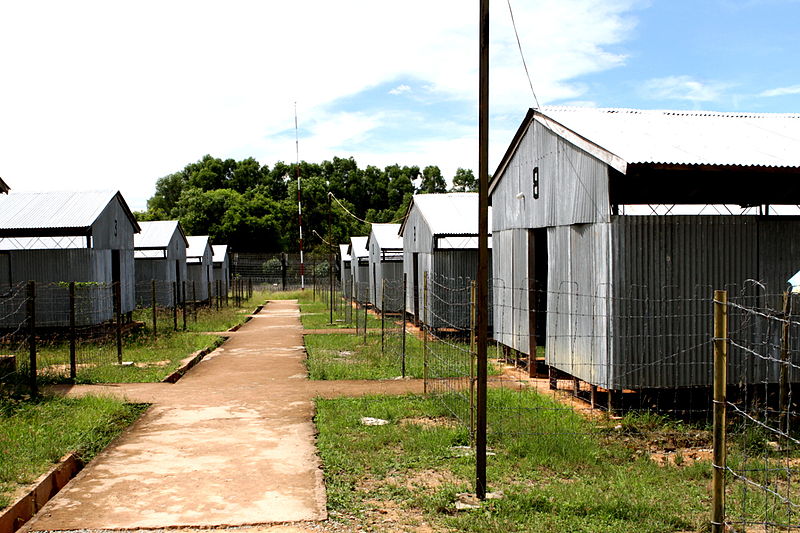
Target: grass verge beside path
151 358
573 476
36 434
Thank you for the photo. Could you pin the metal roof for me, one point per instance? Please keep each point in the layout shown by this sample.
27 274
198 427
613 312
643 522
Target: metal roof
157 234
197 246
343 251
220 252
26 214
685 137
358 247
454 213
387 236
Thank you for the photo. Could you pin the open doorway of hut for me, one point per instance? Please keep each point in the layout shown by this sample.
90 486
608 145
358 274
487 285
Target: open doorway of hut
415 273
537 295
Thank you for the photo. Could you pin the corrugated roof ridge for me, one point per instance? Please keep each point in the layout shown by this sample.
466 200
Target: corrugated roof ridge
670 112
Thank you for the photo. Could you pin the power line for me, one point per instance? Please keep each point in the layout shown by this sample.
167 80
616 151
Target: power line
330 194
519 45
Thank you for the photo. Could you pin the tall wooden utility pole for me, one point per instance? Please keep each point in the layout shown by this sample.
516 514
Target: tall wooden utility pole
482 286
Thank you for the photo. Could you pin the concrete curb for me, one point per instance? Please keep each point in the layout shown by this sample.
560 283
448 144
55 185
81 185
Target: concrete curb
47 486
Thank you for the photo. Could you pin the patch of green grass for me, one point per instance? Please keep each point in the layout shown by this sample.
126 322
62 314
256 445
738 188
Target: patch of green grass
345 356
152 358
557 471
316 315
36 434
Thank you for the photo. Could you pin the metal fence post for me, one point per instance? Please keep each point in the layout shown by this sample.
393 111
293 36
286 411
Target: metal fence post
210 293
403 354
73 363
118 318
720 385
425 318
31 318
365 321
155 308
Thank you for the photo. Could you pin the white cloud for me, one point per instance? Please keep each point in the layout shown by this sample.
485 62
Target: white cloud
682 88
781 91
400 89
99 94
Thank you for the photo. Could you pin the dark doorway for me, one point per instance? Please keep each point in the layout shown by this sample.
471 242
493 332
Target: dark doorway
375 299
415 263
537 295
115 267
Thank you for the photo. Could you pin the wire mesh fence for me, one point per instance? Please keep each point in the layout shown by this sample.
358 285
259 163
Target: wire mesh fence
762 463
283 271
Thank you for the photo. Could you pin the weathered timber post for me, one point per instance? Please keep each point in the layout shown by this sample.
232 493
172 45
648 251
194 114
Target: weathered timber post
31 319
720 386
73 362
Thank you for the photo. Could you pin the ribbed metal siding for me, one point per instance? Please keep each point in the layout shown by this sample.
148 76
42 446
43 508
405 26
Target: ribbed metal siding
573 185
510 289
49 267
666 269
577 316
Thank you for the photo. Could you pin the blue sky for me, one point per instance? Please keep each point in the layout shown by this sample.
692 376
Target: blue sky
98 94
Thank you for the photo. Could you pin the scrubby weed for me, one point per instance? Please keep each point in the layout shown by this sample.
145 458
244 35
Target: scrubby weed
35 434
558 471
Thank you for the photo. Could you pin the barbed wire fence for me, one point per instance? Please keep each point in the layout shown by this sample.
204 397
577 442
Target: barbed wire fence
760 461
641 361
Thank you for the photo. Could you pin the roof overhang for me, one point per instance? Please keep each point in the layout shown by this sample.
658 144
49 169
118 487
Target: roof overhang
533 115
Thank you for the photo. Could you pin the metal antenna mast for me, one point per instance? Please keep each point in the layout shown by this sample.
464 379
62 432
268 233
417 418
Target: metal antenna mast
299 201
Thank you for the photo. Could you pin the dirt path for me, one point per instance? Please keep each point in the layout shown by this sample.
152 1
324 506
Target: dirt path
232 443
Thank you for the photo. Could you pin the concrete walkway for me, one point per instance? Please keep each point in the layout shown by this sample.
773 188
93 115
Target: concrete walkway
232 443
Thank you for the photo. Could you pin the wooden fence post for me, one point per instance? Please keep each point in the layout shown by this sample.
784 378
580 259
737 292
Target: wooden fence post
183 304
118 318
383 314
155 307
403 354
194 300
175 305
720 386
73 363
425 318
783 398
31 319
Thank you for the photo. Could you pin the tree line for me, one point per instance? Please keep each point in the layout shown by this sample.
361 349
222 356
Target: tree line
253 207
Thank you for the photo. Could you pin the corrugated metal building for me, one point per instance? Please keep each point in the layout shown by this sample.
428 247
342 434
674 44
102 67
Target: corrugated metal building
58 237
386 264
199 267
440 237
222 266
621 300
359 268
345 276
160 255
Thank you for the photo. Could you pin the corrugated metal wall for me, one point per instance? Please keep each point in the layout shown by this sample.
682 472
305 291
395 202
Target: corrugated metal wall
200 274
666 269
577 314
52 269
573 185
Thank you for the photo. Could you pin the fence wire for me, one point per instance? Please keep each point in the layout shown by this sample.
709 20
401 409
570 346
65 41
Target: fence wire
763 456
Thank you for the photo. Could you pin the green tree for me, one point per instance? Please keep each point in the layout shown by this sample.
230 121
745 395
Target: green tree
464 181
432 181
